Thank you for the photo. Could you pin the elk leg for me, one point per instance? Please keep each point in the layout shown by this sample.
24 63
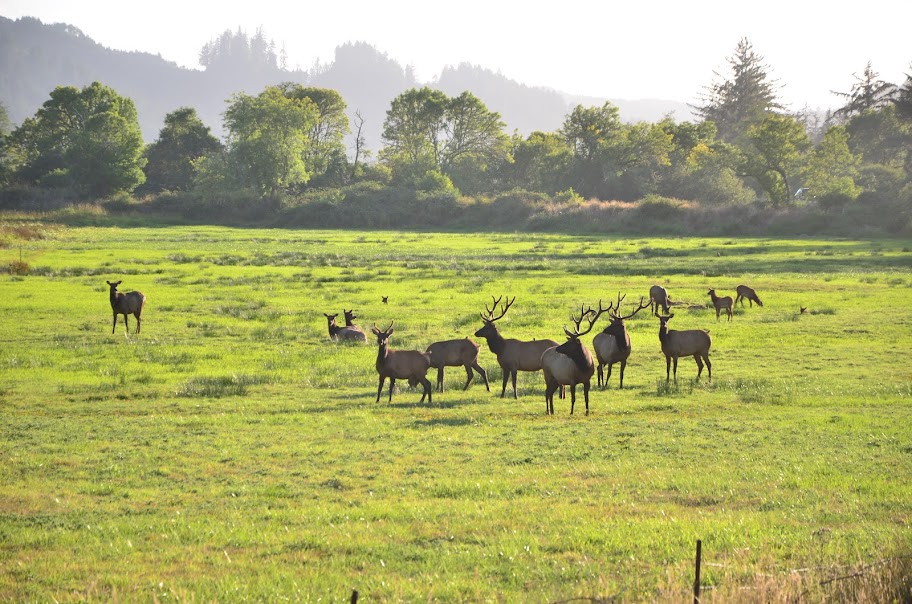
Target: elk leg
623 366
380 388
699 365
586 395
439 379
709 366
506 376
392 383
138 322
513 373
667 368
114 328
484 374
610 365
572 397
468 369
427 390
599 369
676 369
127 323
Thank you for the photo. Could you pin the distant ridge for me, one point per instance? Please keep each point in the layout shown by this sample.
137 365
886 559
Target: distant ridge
35 57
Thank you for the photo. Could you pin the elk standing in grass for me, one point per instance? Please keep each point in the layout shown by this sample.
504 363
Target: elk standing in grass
456 353
691 342
725 302
512 355
658 297
130 303
612 345
570 363
347 334
408 365
748 293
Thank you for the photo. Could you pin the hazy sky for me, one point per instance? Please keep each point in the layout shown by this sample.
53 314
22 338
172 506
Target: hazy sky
661 49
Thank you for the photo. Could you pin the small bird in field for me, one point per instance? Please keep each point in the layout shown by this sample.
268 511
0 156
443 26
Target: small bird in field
803 309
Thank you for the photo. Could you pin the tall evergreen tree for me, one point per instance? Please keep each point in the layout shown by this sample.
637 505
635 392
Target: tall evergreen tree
742 101
903 98
868 92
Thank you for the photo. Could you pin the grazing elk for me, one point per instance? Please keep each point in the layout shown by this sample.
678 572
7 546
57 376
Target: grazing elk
512 355
691 342
456 353
725 302
658 296
612 345
408 365
346 334
570 363
130 303
748 293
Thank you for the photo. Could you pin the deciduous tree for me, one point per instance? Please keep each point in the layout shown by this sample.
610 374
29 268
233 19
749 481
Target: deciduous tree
181 142
778 146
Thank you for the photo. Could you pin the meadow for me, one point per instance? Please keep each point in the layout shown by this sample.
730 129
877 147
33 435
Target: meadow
231 452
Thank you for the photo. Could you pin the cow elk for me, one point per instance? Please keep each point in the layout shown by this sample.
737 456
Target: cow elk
130 303
570 363
691 342
721 303
747 293
612 345
512 355
658 296
408 365
343 334
456 353
350 317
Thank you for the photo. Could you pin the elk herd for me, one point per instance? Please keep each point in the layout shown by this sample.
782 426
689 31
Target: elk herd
567 364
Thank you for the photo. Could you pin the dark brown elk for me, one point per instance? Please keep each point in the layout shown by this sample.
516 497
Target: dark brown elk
612 345
456 353
512 355
130 303
658 297
350 317
408 365
344 334
747 293
724 303
691 342
570 363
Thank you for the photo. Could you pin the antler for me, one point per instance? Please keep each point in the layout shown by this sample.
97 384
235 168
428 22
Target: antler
614 315
584 314
490 318
387 330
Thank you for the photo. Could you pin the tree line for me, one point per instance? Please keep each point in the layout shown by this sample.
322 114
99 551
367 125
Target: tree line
290 140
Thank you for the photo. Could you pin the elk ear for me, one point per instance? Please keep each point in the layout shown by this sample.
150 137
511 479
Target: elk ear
671 316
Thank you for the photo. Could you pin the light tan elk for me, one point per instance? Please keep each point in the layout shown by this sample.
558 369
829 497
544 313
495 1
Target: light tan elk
691 342
724 303
456 353
347 334
130 303
512 355
747 293
612 345
408 365
570 363
658 297
350 317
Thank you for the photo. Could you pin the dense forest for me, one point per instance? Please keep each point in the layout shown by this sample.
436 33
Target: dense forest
294 153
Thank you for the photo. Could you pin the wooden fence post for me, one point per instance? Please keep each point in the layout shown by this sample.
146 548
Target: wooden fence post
697 579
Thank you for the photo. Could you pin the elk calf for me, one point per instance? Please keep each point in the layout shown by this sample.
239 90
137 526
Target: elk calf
570 363
408 365
745 292
349 334
725 302
512 355
691 342
455 353
131 303
658 297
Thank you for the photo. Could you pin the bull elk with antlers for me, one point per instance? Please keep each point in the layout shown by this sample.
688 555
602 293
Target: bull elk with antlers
408 365
512 355
456 353
690 342
570 363
612 345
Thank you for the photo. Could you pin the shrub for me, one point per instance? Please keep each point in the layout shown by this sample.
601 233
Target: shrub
834 201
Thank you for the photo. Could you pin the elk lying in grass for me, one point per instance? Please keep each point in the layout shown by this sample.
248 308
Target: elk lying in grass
456 353
130 303
658 297
723 303
570 363
612 345
512 355
345 334
350 317
408 365
691 342
747 293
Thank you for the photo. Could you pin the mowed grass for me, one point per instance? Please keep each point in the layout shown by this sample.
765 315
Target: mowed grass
230 452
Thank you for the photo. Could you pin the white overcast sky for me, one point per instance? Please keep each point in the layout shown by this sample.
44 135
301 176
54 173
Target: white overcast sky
636 49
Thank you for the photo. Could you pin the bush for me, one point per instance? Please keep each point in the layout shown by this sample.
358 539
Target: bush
834 201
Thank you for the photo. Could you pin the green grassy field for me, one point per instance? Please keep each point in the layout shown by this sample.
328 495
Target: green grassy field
230 452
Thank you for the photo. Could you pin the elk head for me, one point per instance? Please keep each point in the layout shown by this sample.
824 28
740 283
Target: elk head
489 329
383 334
